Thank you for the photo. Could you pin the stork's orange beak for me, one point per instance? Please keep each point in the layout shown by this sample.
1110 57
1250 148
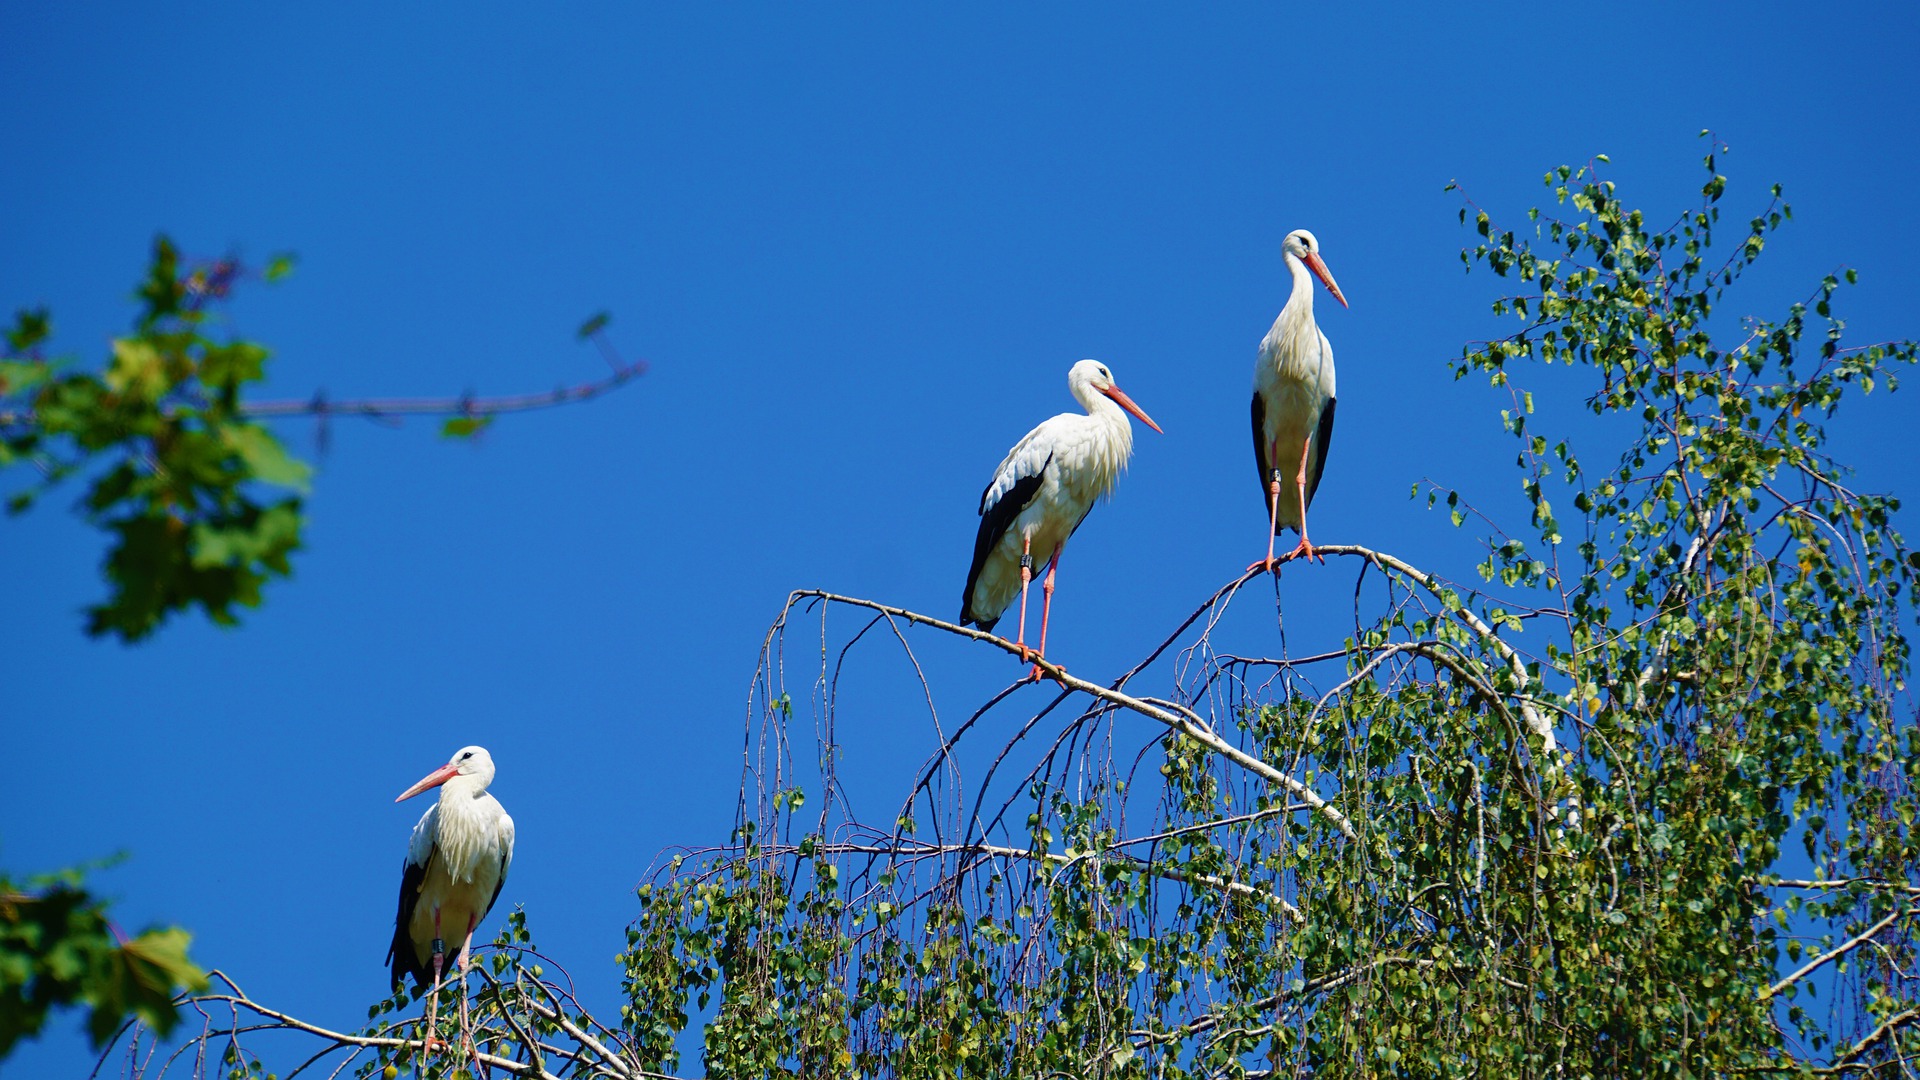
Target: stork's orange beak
432 780
1320 271
1121 399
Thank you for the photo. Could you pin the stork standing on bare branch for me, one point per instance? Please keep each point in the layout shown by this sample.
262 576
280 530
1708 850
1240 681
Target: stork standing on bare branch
1293 397
456 863
1041 493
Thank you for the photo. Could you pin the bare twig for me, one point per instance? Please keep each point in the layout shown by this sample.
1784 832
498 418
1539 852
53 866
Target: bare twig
1835 883
608 1063
1179 718
1896 1020
915 849
1522 678
465 405
341 1038
1855 942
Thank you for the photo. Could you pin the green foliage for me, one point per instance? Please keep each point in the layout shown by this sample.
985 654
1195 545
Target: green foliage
594 325
57 950
192 492
464 427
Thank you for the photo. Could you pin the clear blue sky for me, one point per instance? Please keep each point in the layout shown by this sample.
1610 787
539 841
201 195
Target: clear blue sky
862 246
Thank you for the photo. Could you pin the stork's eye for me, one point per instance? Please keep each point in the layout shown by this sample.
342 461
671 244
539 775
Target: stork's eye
466 755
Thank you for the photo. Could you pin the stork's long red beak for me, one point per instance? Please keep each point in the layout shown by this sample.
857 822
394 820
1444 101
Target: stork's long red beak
1326 278
1121 399
432 780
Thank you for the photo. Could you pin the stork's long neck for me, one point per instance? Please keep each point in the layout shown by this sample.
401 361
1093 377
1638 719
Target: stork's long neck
1113 443
1293 329
1299 307
466 824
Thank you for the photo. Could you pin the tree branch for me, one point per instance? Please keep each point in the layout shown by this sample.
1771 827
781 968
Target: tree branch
341 1038
1835 883
1894 1021
1859 939
618 1064
609 1063
1179 718
918 849
1535 722
464 405
1217 823
1143 1037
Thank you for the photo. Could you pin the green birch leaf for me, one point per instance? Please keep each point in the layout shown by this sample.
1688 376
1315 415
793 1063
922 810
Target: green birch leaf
465 427
266 460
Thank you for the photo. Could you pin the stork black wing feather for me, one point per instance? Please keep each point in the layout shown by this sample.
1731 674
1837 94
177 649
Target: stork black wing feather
995 520
1322 439
505 858
400 954
1260 453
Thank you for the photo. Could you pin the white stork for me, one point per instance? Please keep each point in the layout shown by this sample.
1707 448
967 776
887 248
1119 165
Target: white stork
1041 493
456 863
1293 396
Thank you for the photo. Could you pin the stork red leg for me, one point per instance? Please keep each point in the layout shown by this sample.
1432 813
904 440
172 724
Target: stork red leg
1026 576
1273 511
466 1026
1046 609
1304 548
433 990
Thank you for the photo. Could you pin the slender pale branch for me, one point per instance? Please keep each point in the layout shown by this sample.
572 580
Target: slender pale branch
527 1040
918 849
1855 942
1217 823
614 1061
1698 544
1535 721
464 405
1203 1024
609 1063
1181 719
341 1038
1835 883
1896 1020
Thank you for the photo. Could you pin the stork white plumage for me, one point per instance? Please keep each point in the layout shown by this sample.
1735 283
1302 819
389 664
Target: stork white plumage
1041 493
1293 398
457 861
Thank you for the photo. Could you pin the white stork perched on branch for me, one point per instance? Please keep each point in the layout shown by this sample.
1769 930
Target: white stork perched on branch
1041 493
456 863
1293 397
